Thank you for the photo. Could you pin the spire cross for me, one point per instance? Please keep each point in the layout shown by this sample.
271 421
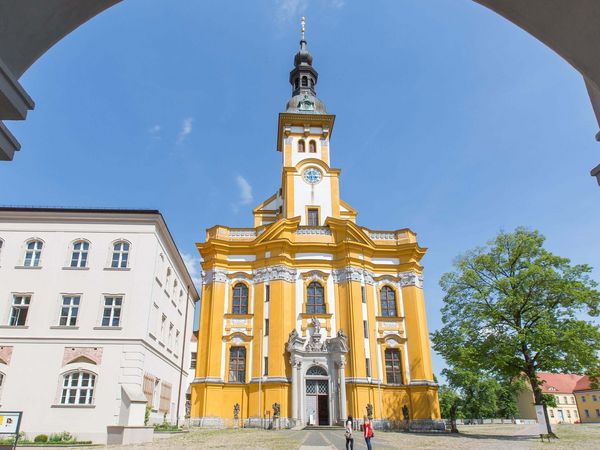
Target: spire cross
302 23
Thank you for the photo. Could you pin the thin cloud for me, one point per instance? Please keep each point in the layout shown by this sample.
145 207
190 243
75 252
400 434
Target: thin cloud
193 266
186 129
245 190
154 131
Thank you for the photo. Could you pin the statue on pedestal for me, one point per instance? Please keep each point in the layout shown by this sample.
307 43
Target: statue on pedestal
236 411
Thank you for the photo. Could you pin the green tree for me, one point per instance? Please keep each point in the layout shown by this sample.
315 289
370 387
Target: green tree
513 308
450 402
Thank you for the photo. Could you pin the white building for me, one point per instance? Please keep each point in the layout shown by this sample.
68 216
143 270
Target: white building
96 314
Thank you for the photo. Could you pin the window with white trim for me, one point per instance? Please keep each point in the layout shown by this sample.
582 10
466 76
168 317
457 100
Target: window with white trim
78 388
170 341
111 315
79 254
33 253
69 310
193 360
19 310
176 340
175 284
163 327
168 278
120 256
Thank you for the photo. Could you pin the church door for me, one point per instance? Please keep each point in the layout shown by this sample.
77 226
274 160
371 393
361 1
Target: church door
317 402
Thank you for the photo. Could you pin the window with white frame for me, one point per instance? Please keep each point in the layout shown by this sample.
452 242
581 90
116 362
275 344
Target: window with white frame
120 256
78 388
163 327
176 339
33 253
79 255
180 298
170 341
19 310
175 284
193 360
69 310
168 278
111 315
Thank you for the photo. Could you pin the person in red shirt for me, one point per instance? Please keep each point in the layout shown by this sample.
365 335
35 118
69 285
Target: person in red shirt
368 432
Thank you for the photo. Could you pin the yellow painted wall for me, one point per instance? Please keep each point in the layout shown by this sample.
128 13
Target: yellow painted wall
588 400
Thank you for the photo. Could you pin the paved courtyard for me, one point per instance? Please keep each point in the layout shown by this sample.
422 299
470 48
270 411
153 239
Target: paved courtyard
496 437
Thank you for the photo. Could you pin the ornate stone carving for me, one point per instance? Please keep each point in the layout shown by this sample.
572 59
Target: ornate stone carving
316 324
214 276
314 231
272 273
242 234
382 235
410 279
347 274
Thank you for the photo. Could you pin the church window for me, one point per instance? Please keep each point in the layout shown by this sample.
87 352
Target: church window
240 299
365 329
316 371
304 82
266 368
312 147
266 327
313 217
315 299
267 293
78 388
368 365
393 366
80 254
237 365
33 253
363 294
297 83
120 255
388 302
301 146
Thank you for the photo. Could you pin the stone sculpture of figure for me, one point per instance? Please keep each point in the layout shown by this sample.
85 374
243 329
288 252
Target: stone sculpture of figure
317 325
276 410
405 412
236 411
369 411
293 335
341 334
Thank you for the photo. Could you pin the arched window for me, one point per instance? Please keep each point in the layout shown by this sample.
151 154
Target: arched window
237 365
78 388
312 146
120 255
33 253
387 298
312 83
296 83
239 304
304 82
316 371
315 299
79 255
301 146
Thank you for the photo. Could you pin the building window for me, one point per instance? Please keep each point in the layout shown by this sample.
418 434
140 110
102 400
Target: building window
304 81
170 341
176 340
33 253
365 329
180 298
312 146
266 327
388 302
568 413
168 278
111 316
301 146
594 398
120 255
363 294
163 327
237 365
393 366
575 413
296 83
194 360
583 398
368 365
267 293
313 217
597 412
551 411
587 413
69 310
80 254
266 367
19 310
175 288
565 400
240 299
315 299
78 388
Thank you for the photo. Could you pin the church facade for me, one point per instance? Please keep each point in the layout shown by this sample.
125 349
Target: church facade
308 315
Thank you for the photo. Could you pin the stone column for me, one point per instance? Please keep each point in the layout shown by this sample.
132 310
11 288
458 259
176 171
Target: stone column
341 365
295 363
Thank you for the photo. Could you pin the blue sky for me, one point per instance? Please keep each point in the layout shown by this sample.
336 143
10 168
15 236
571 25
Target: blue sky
450 121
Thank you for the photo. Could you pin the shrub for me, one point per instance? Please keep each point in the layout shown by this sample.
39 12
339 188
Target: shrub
65 436
41 438
147 414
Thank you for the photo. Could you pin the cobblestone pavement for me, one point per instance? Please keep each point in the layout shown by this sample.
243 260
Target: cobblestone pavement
489 437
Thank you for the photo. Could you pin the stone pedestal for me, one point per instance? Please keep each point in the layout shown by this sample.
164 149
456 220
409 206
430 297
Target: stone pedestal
122 434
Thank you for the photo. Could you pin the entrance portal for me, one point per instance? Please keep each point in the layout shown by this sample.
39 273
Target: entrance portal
317 401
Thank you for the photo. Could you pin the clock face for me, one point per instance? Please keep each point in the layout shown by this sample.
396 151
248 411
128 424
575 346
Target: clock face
312 175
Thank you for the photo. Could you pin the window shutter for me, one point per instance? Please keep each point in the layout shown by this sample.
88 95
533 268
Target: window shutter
165 397
148 387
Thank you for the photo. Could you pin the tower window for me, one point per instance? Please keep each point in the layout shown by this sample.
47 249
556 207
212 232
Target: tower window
266 327
312 147
393 367
240 299
388 302
237 365
315 303
312 83
296 83
304 82
368 365
301 146
365 329
313 217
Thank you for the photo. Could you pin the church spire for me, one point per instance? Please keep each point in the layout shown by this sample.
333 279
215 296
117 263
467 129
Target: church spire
303 79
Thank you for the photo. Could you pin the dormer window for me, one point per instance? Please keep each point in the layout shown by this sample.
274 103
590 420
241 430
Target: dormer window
301 146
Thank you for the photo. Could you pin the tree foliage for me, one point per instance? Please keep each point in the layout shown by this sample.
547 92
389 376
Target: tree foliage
513 308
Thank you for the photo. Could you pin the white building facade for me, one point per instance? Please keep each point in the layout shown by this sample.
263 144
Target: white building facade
96 315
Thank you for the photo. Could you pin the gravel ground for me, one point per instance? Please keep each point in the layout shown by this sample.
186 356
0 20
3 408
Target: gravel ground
489 437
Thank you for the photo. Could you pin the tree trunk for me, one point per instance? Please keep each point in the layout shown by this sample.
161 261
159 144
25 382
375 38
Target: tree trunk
453 428
538 397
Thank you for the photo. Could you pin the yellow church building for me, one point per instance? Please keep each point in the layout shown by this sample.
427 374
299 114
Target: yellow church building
309 314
